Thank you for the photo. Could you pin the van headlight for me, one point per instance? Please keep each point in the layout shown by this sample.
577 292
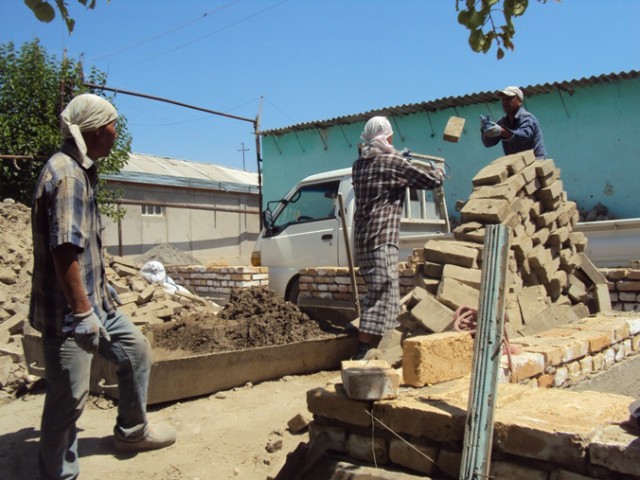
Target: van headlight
256 259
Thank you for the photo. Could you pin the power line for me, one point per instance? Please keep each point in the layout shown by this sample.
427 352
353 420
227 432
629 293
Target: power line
227 27
155 37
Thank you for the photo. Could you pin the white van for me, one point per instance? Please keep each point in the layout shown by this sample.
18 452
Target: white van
304 229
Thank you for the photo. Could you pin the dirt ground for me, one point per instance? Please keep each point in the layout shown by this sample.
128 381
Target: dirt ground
236 434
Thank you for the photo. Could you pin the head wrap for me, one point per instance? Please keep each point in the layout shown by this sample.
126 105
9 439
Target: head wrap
85 113
376 132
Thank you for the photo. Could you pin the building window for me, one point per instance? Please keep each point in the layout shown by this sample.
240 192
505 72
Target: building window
152 211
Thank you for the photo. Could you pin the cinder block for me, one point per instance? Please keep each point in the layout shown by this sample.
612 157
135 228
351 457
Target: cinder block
437 358
453 129
489 210
532 300
432 314
449 462
468 276
544 167
435 420
368 449
335 436
369 380
510 471
445 251
617 450
420 458
490 175
455 294
332 402
560 474
561 433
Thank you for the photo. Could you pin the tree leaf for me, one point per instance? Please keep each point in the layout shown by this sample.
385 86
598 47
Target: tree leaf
42 10
476 40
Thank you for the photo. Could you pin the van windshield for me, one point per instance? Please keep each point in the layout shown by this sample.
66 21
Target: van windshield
308 203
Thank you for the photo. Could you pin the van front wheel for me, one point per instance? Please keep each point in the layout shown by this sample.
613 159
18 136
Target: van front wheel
293 292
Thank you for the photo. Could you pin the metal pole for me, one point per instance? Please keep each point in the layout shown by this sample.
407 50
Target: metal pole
166 100
478 435
256 131
347 244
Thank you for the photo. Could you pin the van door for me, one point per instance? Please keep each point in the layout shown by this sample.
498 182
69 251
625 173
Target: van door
305 233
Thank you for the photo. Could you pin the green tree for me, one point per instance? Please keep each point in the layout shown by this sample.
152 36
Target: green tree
479 16
34 88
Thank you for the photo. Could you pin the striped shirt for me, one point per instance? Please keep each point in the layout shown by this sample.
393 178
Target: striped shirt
65 211
380 187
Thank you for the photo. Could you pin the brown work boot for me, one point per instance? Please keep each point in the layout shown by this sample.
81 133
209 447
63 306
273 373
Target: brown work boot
157 436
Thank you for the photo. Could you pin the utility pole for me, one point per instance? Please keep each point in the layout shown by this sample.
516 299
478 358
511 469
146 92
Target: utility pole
243 150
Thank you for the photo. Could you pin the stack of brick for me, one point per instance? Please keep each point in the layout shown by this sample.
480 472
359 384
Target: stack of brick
624 288
547 286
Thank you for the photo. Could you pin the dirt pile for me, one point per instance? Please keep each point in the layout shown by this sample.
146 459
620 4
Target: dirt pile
254 317
167 255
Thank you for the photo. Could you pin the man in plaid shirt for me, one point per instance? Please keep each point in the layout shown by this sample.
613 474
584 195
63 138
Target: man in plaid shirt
70 302
380 179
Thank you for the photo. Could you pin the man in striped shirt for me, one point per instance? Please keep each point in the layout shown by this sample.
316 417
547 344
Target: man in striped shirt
380 179
70 302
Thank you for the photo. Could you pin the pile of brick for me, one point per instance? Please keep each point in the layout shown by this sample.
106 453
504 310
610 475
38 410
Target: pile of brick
550 280
153 303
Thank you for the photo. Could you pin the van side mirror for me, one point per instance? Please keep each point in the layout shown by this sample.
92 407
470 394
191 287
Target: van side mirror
267 219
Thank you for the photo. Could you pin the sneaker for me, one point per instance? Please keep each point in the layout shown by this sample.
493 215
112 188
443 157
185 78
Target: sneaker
157 436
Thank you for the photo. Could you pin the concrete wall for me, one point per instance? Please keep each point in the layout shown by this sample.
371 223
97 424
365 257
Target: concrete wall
213 226
591 134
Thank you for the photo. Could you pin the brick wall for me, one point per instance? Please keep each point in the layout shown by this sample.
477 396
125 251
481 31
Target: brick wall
217 282
624 288
334 283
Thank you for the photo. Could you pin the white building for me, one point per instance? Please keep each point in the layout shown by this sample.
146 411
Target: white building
206 210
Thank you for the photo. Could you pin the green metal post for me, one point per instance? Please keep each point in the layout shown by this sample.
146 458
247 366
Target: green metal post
478 435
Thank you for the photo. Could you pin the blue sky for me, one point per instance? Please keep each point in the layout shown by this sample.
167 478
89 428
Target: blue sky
311 59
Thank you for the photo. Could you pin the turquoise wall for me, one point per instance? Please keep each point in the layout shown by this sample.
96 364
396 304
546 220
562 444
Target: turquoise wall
592 135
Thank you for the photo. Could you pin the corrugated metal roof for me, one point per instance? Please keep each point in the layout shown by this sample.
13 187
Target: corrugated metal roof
452 102
151 169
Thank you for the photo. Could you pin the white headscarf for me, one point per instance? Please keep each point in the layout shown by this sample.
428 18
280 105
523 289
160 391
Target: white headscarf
376 132
85 113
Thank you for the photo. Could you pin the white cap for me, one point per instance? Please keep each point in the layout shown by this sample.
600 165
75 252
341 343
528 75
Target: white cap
511 92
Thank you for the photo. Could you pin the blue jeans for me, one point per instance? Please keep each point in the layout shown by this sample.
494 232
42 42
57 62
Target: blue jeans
67 371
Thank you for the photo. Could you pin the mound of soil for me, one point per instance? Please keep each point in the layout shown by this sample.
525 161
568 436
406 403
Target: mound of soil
253 317
167 255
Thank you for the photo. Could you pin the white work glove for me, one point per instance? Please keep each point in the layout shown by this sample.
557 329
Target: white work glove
485 121
492 130
438 172
88 331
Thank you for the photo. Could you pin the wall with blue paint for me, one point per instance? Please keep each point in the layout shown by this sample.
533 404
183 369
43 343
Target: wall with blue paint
592 135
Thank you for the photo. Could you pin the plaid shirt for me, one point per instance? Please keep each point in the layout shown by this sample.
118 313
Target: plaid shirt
65 210
380 187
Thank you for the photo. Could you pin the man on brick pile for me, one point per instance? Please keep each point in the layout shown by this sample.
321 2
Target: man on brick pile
380 178
518 130
70 303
